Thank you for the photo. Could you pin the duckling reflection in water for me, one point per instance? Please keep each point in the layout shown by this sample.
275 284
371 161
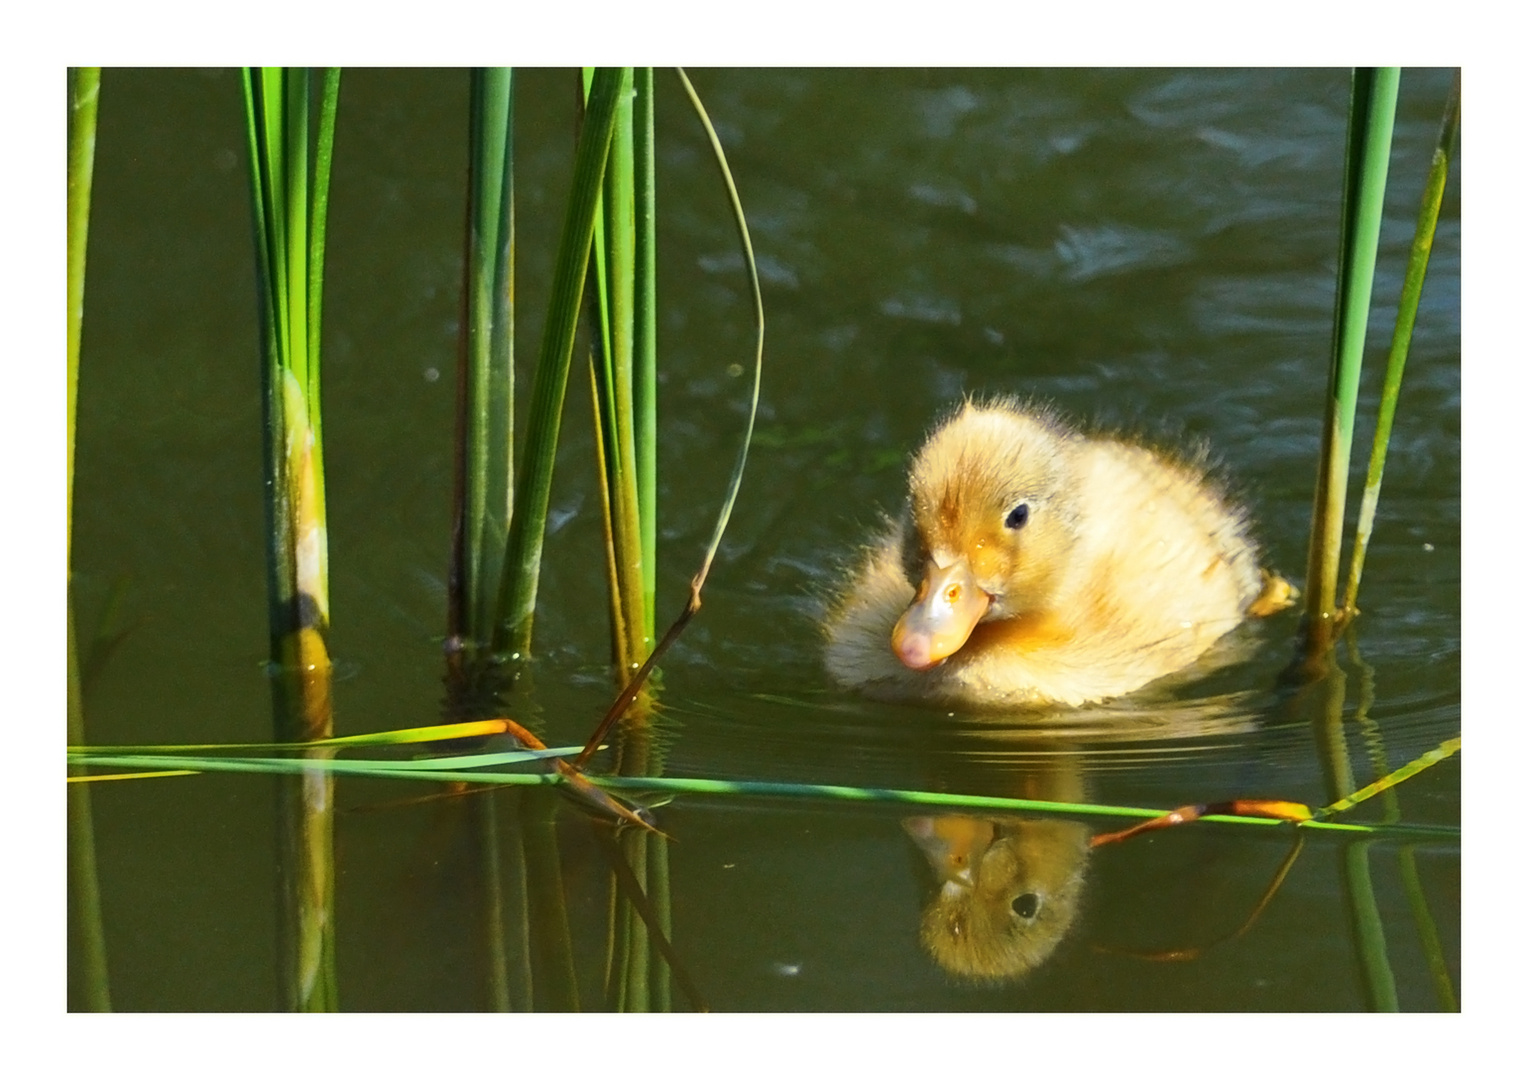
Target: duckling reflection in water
1038 565
1008 891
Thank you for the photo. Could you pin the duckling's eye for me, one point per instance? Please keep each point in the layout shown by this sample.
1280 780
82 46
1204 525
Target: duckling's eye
1017 517
1026 906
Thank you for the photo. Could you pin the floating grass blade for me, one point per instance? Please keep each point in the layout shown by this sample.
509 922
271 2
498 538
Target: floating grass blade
82 779
443 772
1400 342
522 559
1371 121
1445 750
400 737
430 768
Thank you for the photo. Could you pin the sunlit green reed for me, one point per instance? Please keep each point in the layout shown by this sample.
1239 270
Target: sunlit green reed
1371 121
527 530
1400 342
486 371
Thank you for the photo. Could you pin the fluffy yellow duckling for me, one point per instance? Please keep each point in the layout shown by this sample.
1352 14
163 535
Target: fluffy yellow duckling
1038 565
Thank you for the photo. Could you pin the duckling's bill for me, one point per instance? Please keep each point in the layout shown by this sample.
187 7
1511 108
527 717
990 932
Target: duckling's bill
948 605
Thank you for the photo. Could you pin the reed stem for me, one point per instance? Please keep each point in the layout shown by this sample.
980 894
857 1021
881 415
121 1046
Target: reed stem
1370 123
84 97
486 378
645 340
522 558
1400 342
289 198
87 931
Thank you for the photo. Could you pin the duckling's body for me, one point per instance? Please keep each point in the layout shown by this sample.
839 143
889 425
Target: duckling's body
1055 568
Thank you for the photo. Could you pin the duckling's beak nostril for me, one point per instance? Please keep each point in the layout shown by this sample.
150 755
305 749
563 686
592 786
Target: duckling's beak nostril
947 607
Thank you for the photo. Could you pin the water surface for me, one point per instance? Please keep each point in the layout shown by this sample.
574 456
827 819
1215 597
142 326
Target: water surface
1152 250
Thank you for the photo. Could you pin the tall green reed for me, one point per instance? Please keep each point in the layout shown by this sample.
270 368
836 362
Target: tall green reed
86 928
484 479
1400 341
515 612
500 511
1371 122
486 373
613 301
289 178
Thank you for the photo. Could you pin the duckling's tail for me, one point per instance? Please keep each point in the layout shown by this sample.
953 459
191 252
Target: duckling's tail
1277 595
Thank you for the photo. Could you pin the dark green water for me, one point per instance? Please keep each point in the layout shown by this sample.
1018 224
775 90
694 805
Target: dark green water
1152 249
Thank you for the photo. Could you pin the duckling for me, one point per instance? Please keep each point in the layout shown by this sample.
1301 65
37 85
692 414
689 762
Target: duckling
1008 891
1038 565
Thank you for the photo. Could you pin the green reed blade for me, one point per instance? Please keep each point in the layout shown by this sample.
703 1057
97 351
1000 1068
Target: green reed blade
486 378
1400 342
289 203
289 210
611 291
697 583
522 559
645 338
87 929
758 306
1370 123
323 165
1445 750
84 97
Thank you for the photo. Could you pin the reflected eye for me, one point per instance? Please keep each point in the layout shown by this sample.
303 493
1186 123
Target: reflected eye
1017 517
1026 906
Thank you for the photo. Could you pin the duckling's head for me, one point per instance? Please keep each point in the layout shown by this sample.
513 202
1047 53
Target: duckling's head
992 525
1008 890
